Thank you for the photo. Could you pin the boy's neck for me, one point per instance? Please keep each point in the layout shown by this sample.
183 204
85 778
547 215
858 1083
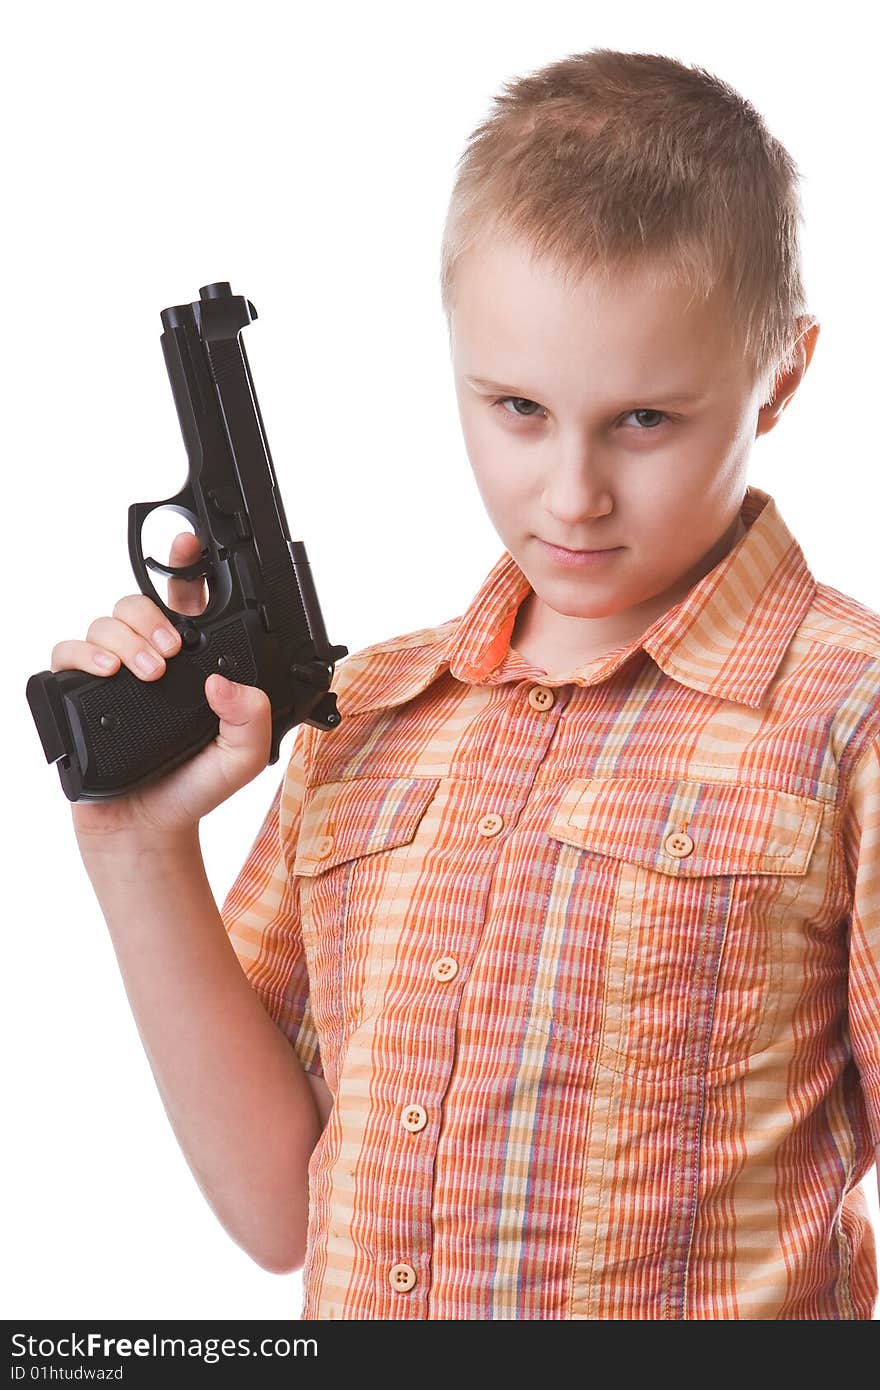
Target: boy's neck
556 644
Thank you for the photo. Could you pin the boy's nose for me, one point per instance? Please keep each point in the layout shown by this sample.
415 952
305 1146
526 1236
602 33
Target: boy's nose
578 496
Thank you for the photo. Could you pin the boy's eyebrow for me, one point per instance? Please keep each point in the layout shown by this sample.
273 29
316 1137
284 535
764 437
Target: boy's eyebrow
679 397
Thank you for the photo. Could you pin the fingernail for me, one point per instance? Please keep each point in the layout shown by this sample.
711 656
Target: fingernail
147 663
164 640
105 659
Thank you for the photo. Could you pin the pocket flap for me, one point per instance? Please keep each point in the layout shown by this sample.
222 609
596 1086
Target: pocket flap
362 815
683 827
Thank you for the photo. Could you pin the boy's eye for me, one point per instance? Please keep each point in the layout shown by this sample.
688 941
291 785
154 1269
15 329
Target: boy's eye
645 410
517 402
524 409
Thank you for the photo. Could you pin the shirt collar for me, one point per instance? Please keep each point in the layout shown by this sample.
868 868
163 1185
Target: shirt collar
726 637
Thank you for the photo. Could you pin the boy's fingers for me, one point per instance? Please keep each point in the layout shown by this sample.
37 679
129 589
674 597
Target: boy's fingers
188 596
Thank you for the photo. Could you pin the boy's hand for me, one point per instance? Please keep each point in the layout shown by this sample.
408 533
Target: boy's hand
172 805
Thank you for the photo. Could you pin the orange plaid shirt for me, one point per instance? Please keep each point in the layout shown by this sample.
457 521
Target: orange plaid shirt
591 966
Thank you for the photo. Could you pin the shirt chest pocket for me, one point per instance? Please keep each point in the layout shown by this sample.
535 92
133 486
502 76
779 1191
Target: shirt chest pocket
356 858
663 936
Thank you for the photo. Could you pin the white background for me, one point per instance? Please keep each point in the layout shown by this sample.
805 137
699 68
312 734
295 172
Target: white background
306 155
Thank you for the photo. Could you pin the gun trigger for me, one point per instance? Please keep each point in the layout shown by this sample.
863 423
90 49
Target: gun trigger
181 571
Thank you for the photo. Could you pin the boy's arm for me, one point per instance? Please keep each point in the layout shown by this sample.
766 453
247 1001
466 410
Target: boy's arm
323 1097
244 1095
235 1091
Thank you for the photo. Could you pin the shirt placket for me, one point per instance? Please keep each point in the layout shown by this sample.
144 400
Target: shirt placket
417 1050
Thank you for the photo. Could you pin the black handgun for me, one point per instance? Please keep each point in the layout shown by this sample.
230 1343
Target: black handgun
261 625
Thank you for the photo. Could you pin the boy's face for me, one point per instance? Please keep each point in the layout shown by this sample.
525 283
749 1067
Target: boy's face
584 444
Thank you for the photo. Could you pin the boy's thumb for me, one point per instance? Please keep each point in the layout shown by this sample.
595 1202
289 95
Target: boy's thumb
245 719
219 688
236 704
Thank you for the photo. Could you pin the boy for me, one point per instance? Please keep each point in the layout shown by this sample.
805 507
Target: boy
571 930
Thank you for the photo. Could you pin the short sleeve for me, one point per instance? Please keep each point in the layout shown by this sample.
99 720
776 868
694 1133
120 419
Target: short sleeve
261 913
862 848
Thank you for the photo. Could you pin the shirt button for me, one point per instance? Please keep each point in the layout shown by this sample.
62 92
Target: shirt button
491 824
446 968
414 1118
678 844
324 846
540 697
402 1277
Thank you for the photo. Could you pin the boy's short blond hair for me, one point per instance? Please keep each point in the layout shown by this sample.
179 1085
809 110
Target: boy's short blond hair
605 161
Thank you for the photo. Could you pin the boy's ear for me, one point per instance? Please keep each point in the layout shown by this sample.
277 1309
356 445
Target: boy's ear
788 381
809 335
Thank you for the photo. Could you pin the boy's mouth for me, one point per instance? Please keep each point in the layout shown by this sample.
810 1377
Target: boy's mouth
563 556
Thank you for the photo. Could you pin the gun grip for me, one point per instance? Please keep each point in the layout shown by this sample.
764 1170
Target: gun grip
111 734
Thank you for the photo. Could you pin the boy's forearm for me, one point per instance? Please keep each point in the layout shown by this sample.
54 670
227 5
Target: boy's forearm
235 1092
